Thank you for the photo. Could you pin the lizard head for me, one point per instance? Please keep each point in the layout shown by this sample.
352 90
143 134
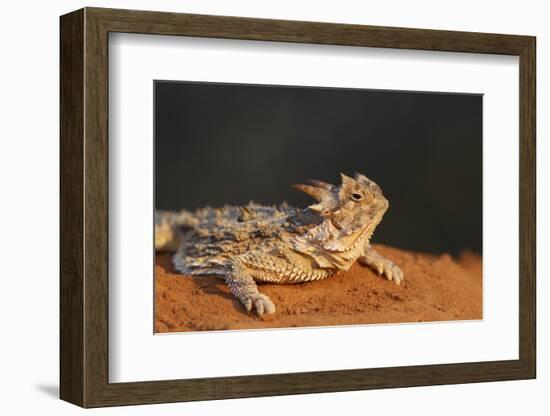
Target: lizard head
349 214
356 205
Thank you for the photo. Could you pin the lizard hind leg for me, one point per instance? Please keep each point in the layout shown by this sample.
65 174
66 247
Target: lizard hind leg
243 287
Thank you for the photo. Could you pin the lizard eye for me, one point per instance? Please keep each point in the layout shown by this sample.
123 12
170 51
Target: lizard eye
356 196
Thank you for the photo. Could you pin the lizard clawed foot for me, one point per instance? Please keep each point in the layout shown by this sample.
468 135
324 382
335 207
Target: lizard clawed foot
260 302
385 267
389 269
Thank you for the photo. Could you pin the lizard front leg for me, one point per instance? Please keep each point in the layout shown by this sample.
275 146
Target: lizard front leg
381 264
243 287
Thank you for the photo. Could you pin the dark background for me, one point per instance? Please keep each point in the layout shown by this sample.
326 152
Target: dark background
219 144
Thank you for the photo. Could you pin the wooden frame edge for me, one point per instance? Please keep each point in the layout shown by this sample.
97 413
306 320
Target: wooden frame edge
72 367
527 208
84 207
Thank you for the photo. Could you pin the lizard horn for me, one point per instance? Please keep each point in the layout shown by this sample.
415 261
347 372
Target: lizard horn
346 180
320 184
317 192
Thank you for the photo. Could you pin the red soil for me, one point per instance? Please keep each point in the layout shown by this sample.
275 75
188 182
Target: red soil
436 288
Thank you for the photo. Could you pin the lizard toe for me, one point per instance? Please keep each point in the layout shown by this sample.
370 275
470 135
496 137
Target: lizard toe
247 303
389 273
394 273
263 304
398 275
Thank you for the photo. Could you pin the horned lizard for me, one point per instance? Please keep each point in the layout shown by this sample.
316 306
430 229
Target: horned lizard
279 244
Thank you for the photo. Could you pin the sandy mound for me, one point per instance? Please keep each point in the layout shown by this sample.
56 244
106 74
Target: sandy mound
436 288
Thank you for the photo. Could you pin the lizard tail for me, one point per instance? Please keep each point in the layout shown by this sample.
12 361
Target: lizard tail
168 229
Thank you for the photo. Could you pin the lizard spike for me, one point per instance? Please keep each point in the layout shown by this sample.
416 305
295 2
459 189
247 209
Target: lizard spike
359 177
346 180
316 192
320 184
316 207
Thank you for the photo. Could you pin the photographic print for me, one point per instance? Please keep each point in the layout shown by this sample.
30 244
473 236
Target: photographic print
290 206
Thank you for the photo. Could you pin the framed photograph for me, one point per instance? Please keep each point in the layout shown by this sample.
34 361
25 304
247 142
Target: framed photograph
255 207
